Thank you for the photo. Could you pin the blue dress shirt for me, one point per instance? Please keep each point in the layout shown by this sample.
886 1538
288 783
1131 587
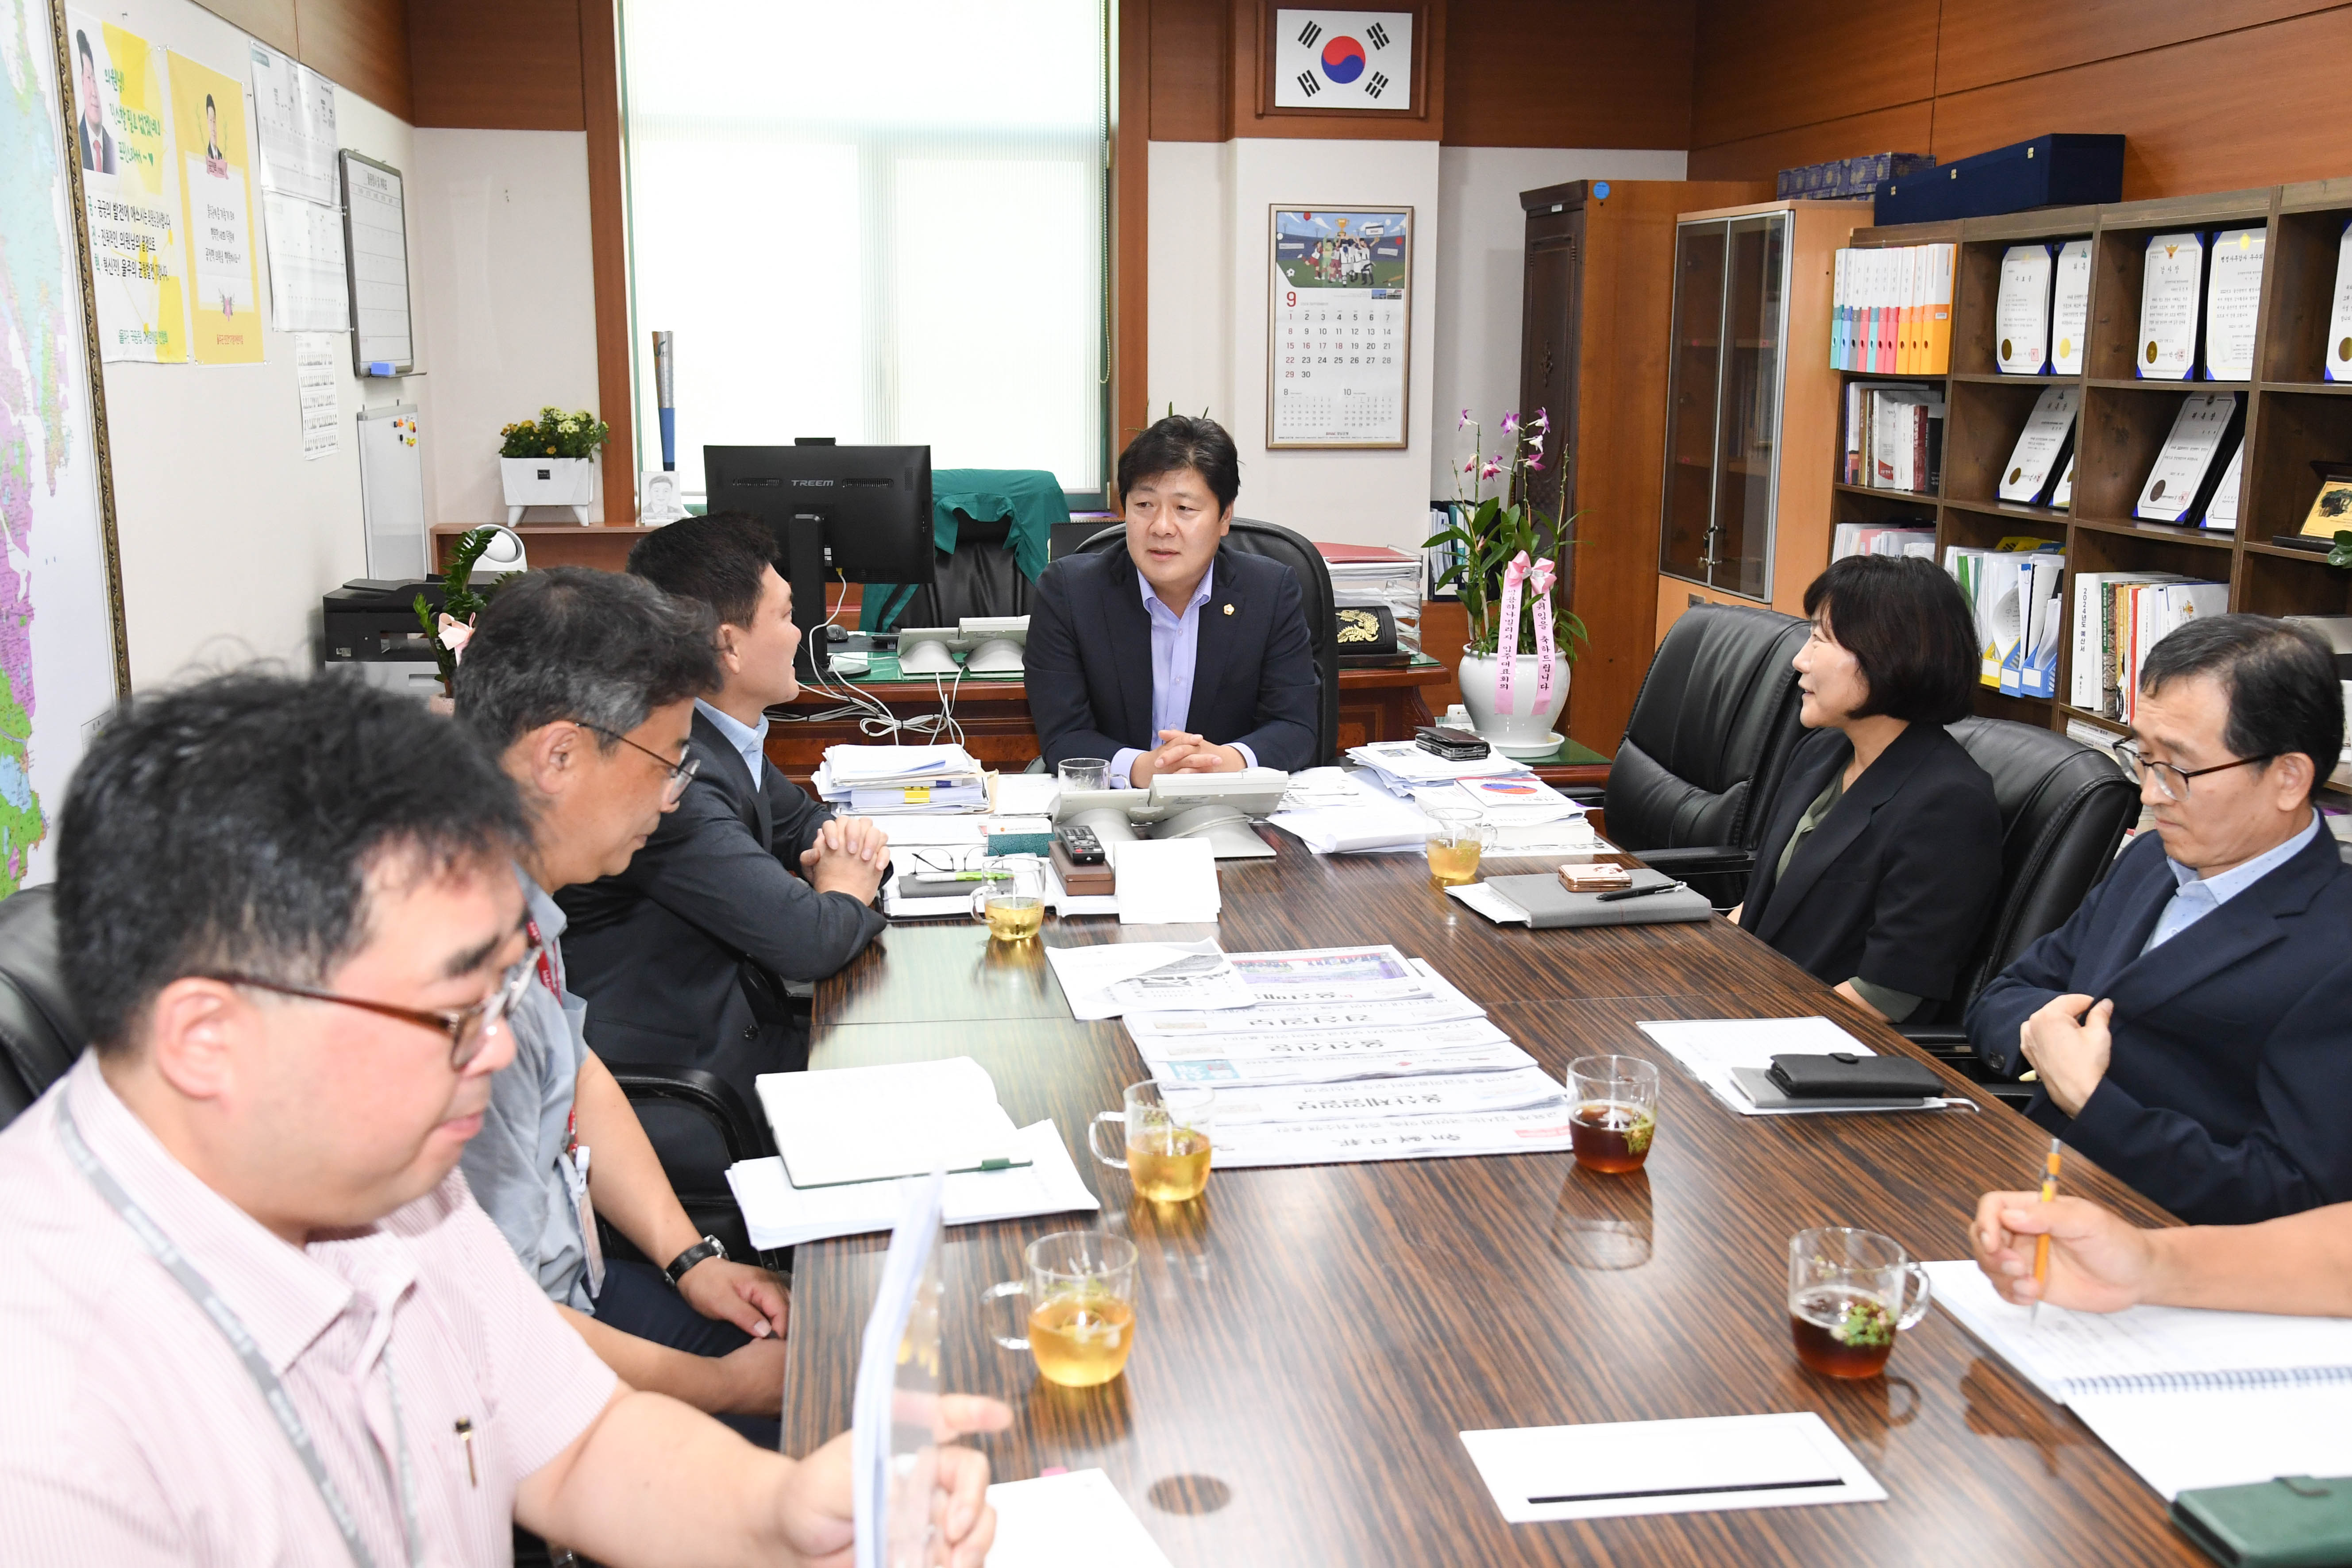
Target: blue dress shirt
2200 896
750 743
1175 654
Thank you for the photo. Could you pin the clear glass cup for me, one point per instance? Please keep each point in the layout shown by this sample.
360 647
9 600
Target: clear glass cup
1616 1112
1168 1143
1013 899
1080 1287
1085 774
1457 837
1849 1293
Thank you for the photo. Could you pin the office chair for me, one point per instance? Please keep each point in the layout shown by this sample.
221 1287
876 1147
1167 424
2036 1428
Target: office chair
2063 810
1711 733
38 1038
1297 552
978 577
699 1125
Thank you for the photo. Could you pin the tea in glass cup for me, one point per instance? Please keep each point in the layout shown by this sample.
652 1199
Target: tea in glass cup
1080 1287
1167 1140
1013 899
1849 1293
1456 839
1616 1112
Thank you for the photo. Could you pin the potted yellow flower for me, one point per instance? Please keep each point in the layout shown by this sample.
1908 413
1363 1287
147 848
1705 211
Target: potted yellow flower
550 461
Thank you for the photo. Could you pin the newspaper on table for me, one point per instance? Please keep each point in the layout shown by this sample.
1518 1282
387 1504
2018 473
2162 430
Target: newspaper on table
1105 981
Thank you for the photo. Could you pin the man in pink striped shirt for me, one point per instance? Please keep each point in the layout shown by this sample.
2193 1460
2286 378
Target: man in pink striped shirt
252 1313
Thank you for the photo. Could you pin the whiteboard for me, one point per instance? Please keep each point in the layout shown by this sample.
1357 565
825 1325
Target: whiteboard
392 491
375 235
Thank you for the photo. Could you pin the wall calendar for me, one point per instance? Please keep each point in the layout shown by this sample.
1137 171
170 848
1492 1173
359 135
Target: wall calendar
1340 352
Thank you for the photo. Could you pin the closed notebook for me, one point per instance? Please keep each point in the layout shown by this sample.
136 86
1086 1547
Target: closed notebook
2294 1521
1549 904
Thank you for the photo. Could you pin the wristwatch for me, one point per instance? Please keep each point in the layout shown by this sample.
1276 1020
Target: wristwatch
708 1246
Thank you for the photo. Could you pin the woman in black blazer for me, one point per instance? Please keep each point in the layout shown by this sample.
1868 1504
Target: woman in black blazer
1880 854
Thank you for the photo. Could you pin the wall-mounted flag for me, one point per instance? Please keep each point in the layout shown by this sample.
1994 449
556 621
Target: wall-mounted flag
1343 59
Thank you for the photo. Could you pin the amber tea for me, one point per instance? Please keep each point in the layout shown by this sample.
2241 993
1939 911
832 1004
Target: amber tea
1851 1292
1840 1334
1081 1339
1610 1137
1452 863
1015 918
1169 1165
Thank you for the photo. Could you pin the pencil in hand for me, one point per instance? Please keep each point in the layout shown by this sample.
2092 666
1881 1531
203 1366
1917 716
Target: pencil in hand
2041 1242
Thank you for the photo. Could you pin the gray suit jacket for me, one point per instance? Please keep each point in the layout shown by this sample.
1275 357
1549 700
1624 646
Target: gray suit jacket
683 956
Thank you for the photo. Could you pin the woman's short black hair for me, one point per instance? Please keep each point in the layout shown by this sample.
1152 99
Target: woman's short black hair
1908 626
2283 692
1182 441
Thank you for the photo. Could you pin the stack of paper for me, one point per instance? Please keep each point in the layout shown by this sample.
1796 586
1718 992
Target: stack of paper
1347 1055
1353 817
1114 978
874 781
778 1213
1719 1051
1401 766
871 1125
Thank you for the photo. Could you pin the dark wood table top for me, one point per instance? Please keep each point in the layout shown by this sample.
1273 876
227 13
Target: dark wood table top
1311 1341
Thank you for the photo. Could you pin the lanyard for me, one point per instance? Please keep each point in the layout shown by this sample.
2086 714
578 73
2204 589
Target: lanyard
241 1341
546 963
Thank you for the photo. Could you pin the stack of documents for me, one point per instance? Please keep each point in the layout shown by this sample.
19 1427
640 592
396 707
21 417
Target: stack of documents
1402 766
875 781
2187 1398
1373 813
1346 1055
1732 1055
1349 816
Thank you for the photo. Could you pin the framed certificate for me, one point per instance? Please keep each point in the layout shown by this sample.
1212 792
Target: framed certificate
1338 344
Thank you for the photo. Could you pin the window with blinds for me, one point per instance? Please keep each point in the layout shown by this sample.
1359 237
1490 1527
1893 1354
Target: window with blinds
881 224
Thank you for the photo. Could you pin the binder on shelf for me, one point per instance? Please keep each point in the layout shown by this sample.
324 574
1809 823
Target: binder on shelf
2221 511
2022 312
2070 307
2233 294
1891 309
2338 366
2030 669
2045 448
2171 293
2188 466
1994 584
1943 261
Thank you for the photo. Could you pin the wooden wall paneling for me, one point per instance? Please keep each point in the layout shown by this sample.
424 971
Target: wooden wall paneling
1905 127
2235 110
1130 217
271 21
358 45
608 243
1987 41
1766 67
1252 22
514 66
1569 73
1189 68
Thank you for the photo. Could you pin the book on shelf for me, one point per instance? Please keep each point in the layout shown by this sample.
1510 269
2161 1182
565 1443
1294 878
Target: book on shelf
1894 438
2188 466
1891 309
2044 449
2119 616
2021 311
2070 307
1912 536
2233 295
2171 296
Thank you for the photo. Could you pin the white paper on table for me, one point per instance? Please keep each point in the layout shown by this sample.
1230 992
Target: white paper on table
1313 788
1086 974
1168 881
1541 1130
927 832
1406 759
1708 1048
1052 1520
778 1213
1027 795
1501 1056
1280 1045
872 1124
1490 903
1614 1468
2225 1437
1366 821
1378 967
1443 1005
1569 836
1427 1094
877 764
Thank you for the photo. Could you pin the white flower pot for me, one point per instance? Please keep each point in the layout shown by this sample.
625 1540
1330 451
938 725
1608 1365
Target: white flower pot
548 481
1525 732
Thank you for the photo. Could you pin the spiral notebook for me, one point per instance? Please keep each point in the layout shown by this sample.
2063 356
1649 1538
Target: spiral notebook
2186 1397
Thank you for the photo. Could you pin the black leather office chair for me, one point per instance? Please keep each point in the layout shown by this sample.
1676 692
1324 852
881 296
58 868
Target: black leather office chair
1711 731
38 1038
2063 810
978 577
1296 550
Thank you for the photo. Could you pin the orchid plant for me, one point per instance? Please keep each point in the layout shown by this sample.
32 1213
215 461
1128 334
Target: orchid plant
1498 542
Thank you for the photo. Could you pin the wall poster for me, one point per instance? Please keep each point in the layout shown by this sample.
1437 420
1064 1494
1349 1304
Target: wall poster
130 191
1338 354
208 129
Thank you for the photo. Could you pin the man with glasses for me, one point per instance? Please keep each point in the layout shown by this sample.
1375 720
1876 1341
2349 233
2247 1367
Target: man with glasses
252 1314
2191 1025
582 685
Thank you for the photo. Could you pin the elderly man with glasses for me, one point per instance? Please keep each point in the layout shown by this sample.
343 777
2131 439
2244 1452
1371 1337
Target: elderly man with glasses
2192 1025
582 685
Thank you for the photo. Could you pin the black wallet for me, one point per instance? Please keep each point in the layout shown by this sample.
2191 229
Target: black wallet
1841 1075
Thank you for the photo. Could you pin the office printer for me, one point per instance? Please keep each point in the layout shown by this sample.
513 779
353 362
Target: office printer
372 634
1218 808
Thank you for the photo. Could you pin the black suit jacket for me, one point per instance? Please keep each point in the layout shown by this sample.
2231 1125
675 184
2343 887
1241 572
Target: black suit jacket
1895 884
1089 660
683 956
2228 1097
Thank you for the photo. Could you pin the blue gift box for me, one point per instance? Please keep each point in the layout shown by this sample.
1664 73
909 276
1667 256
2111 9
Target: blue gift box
2051 171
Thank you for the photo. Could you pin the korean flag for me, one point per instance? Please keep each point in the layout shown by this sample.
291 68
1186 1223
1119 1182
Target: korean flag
1343 59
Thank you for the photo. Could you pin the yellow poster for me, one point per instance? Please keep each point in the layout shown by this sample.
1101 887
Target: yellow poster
130 191
208 133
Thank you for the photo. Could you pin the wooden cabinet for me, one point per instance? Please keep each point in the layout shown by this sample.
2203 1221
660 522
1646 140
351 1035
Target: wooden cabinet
1596 300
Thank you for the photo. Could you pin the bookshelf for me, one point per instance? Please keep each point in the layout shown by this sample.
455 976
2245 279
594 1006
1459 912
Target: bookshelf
2293 416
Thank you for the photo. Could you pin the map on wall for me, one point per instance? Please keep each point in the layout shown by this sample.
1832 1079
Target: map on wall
61 649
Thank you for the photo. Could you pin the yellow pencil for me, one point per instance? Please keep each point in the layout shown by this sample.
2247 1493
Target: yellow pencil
2041 1242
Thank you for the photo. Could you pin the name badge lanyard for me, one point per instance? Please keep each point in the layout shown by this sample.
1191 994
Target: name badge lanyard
257 1366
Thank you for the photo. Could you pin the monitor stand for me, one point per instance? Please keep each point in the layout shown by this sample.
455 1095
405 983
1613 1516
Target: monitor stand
804 570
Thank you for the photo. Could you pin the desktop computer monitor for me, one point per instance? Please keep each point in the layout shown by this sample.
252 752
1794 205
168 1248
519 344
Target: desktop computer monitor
863 513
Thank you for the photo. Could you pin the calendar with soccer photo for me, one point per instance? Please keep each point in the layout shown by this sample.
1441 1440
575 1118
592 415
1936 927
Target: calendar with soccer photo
1340 350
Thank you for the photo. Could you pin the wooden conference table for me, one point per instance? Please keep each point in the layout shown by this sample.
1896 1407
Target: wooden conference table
1310 1341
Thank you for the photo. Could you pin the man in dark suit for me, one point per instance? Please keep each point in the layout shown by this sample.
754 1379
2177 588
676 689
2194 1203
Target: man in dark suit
750 883
97 146
2192 1025
1178 654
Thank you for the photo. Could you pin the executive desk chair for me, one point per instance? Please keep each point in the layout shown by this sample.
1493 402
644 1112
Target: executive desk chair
1297 552
1711 732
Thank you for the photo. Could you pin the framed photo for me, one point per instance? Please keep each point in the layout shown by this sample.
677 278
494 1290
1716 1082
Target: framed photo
1339 337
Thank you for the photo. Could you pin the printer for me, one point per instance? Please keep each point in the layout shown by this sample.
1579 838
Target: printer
372 634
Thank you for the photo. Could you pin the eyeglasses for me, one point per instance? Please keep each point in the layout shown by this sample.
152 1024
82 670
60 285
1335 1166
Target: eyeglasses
679 772
2172 782
468 1028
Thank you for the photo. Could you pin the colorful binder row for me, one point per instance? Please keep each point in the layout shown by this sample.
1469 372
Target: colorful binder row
1892 311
